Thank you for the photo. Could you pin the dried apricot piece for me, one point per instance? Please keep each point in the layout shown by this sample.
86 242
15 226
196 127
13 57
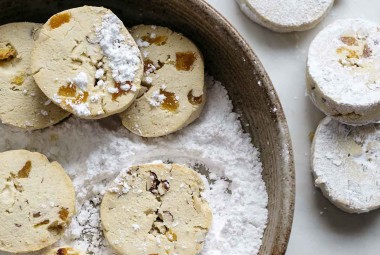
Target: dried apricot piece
170 102
59 19
185 60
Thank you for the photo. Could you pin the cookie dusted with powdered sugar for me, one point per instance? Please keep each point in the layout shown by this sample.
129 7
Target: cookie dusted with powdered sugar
286 15
343 71
86 62
37 201
173 92
64 251
156 209
346 165
22 103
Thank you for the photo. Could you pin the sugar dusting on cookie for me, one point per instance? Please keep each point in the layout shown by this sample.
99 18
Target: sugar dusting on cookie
94 153
286 13
124 60
344 61
345 161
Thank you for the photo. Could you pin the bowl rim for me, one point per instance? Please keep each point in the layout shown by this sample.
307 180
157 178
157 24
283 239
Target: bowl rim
288 166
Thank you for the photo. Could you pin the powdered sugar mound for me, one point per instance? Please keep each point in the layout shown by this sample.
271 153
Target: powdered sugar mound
124 59
346 164
94 152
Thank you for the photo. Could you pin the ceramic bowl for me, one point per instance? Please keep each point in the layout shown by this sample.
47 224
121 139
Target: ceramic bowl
230 60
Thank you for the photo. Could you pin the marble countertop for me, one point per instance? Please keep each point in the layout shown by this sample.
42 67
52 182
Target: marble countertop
319 227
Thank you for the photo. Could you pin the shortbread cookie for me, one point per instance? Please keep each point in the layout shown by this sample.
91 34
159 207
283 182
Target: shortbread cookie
37 201
156 209
343 71
173 93
346 165
64 251
22 103
86 61
286 15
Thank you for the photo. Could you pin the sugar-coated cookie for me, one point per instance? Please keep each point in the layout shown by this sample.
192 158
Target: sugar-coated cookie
22 103
343 71
86 61
173 92
64 251
156 209
346 165
286 15
37 201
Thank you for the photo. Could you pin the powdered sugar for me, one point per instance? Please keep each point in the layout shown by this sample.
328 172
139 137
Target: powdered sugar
80 81
120 185
124 59
215 145
82 109
289 13
344 61
346 164
292 12
156 99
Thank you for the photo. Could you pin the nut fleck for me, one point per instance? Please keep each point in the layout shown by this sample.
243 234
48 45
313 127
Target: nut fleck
41 223
63 214
7 51
348 40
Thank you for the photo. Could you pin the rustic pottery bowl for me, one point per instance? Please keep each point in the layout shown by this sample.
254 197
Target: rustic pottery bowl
230 60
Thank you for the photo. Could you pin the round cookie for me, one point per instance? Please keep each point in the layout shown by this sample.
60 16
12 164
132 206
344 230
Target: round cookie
173 93
346 165
343 71
22 103
156 209
286 15
64 251
37 201
86 61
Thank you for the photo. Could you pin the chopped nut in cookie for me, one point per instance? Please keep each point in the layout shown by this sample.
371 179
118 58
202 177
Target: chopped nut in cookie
7 51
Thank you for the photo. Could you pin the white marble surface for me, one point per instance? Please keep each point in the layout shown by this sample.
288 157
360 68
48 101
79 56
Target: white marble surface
319 227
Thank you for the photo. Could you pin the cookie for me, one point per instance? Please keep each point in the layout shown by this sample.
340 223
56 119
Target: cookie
346 165
64 251
156 209
287 15
37 201
86 61
173 93
343 71
22 103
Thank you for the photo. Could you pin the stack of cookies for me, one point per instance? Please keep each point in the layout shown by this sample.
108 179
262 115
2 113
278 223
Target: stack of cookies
343 74
84 62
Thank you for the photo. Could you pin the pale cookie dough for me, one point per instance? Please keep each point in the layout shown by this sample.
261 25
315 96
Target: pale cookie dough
346 165
86 61
37 201
343 71
286 15
22 103
64 251
156 209
173 93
